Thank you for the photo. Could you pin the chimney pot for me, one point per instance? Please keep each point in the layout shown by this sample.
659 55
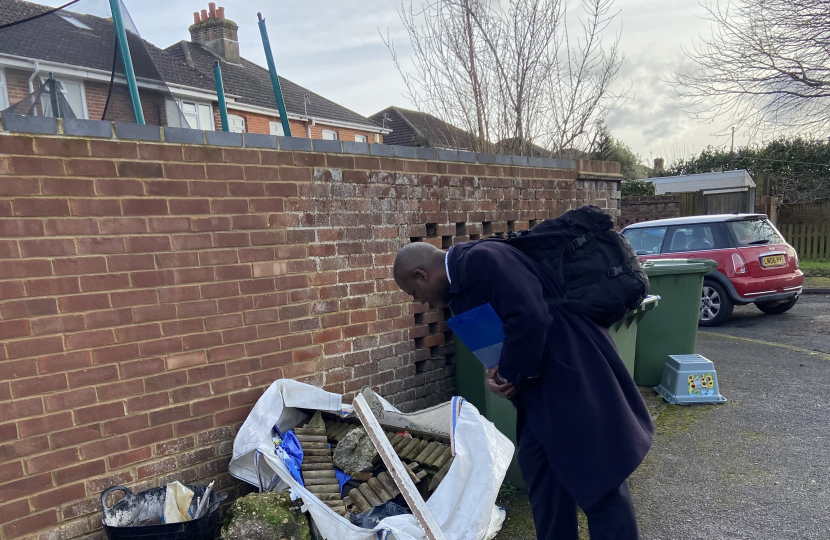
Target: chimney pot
196 18
204 15
212 10
220 12
217 34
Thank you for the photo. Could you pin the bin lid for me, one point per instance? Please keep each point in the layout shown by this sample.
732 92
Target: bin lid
662 267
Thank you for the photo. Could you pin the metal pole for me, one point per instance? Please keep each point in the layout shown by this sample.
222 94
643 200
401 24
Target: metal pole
275 81
121 35
220 92
53 95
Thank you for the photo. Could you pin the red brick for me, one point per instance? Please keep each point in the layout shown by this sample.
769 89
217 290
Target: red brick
68 186
104 447
141 368
95 207
156 468
139 169
144 207
13 511
26 268
45 424
169 224
50 146
150 436
190 393
120 390
193 426
30 524
148 402
182 242
128 458
21 227
86 302
177 260
64 362
86 340
69 400
239 335
154 313
52 286
20 369
105 282
189 206
8 432
19 186
160 346
35 166
233 416
134 298
125 425
14 329
176 328
183 360
77 226
90 167
133 333
179 171
153 278
80 472
169 415
56 459
23 448
166 188
145 244
11 470
193 275
119 187
97 413
47 247
80 265
107 318
22 488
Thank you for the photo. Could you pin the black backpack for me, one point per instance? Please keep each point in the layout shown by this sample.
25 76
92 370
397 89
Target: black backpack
594 266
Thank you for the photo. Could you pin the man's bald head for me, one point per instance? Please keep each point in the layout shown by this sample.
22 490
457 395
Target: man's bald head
419 271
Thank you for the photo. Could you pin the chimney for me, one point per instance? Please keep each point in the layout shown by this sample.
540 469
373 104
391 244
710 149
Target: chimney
658 164
216 33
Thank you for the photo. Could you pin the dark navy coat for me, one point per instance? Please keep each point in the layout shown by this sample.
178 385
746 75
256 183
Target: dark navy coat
574 390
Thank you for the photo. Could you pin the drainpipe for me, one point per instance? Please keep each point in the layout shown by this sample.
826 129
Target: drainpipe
31 83
308 126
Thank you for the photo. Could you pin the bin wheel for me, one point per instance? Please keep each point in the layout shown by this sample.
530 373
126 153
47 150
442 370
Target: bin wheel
715 304
777 308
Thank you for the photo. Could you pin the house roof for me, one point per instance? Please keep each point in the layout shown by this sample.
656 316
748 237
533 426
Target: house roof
413 128
52 38
252 83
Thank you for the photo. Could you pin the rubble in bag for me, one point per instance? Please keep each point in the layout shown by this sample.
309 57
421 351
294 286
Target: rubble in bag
355 453
265 516
317 467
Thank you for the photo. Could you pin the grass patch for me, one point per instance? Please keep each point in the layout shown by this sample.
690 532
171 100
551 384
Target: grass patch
519 522
815 268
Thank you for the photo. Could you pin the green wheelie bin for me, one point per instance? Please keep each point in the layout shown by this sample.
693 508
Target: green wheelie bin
678 283
624 331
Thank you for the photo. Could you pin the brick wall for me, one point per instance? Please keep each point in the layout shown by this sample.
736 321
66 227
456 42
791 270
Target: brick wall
805 213
258 123
637 209
149 293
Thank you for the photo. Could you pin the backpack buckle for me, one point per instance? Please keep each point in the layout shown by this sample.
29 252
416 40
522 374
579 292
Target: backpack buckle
577 243
616 271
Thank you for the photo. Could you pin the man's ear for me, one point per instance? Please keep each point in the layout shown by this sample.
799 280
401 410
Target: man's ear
421 275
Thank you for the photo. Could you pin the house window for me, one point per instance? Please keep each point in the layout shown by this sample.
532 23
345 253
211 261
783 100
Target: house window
329 135
360 138
198 115
73 92
4 95
276 129
236 124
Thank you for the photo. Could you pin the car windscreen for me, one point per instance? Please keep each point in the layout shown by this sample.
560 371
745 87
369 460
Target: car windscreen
646 241
754 232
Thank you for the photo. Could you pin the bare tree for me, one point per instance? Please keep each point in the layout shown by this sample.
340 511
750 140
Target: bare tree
765 66
508 72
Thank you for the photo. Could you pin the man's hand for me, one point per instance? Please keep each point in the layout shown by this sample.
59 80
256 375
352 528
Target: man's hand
497 385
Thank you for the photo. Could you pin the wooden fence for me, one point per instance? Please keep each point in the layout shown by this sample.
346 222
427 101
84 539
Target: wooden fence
810 240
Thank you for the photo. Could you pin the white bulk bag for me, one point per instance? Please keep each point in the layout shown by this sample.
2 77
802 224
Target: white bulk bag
463 504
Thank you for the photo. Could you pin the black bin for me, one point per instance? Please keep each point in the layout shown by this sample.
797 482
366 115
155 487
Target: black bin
121 520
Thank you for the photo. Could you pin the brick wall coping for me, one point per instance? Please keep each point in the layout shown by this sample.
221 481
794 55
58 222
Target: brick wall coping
125 131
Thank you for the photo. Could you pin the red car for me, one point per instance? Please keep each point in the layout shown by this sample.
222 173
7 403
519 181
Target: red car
755 264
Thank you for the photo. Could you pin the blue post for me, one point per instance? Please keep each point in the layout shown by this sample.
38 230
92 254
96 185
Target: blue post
121 34
220 92
275 81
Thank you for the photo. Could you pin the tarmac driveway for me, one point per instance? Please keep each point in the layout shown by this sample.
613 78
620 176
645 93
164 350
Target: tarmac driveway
757 467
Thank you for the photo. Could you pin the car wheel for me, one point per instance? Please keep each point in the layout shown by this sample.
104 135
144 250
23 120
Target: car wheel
777 308
715 304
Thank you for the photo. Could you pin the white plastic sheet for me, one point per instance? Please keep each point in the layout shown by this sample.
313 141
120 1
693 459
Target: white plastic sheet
463 504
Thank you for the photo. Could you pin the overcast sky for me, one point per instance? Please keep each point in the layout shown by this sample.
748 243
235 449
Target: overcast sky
333 47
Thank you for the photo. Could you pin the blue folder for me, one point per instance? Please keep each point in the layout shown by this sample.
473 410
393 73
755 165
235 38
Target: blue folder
482 332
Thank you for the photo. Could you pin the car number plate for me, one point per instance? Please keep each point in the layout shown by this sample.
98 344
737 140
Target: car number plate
773 260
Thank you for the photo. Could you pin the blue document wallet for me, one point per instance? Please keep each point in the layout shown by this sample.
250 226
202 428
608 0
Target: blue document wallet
482 332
